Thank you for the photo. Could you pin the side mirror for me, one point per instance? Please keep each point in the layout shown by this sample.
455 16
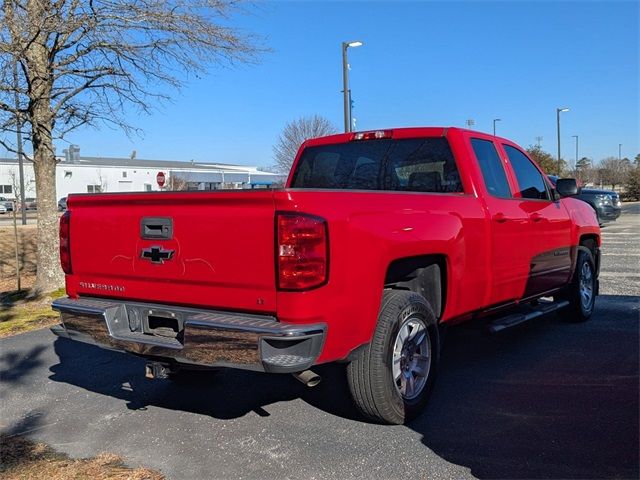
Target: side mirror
567 187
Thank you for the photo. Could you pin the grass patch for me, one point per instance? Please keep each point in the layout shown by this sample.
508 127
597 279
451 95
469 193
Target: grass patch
22 459
21 312
61 292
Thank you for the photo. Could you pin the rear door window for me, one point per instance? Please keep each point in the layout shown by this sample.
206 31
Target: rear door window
530 181
414 165
495 178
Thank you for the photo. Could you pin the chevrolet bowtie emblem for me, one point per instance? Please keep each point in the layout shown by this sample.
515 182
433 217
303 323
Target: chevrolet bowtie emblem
157 254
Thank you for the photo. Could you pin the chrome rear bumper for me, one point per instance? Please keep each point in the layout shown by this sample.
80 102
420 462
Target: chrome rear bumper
201 337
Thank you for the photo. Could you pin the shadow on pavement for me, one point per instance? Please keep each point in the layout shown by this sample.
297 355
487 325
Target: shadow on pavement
14 366
225 394
550 399
34 420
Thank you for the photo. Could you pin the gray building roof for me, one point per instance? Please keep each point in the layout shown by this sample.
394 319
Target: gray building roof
142 163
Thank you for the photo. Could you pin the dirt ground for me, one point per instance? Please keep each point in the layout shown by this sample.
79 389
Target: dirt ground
21 458
26 255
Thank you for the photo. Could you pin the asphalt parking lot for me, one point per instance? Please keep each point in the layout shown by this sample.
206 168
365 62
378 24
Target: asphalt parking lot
6 219
548 400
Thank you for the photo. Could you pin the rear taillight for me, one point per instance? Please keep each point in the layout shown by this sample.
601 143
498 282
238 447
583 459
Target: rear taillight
65 251
302 251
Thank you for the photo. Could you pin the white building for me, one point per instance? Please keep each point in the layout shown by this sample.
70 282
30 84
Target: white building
75 174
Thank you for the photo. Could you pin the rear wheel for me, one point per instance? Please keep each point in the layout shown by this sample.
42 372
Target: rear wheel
581 292
391 379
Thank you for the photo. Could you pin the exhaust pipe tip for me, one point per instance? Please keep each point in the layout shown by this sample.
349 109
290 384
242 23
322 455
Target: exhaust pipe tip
309 378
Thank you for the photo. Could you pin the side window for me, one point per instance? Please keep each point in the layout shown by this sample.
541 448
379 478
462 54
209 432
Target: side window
493 173
530 181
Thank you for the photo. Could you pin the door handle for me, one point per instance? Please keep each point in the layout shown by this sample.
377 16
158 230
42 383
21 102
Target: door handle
500 217
159 228
536 217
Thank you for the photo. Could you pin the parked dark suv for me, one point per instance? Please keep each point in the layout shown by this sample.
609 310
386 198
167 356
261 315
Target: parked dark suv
606 203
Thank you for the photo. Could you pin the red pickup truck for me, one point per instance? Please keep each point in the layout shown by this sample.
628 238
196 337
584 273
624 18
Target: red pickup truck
378 240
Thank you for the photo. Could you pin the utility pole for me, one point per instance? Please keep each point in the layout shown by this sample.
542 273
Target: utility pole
16 85
470 122
619 152
17 244
538 141
576 137
352 121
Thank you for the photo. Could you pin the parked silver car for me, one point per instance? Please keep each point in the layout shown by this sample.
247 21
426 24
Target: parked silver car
8 204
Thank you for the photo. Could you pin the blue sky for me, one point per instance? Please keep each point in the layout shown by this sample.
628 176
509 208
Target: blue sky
422 63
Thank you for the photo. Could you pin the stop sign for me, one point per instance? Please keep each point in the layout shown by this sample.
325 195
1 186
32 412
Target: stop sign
160 179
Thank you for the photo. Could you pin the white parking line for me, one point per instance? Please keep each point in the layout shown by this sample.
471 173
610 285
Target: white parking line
624 276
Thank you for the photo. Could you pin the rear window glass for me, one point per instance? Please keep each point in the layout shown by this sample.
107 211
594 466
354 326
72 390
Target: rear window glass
413 165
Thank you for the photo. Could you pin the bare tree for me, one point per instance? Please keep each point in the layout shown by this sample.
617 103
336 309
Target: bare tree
294 134
71 63
101 182
614 171
584 170
178 182
15 185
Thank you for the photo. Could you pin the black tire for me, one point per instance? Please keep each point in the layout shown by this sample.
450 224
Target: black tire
580 309
370 376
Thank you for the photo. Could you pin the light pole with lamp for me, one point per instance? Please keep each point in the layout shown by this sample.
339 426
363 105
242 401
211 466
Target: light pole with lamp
494 125
345 83
558 111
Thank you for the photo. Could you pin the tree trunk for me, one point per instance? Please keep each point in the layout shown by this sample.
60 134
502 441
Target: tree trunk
49 274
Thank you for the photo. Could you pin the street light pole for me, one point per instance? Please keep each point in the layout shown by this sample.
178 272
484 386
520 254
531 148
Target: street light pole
619 151
346 92
23 210
494 125
558 111
576 137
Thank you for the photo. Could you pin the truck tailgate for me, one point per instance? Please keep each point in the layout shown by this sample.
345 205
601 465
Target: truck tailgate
219 254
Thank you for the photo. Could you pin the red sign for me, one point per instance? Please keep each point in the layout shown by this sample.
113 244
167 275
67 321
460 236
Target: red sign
160 179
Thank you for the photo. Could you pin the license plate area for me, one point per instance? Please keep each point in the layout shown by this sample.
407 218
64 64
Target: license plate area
162 326
157 322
